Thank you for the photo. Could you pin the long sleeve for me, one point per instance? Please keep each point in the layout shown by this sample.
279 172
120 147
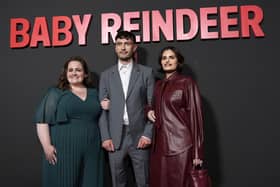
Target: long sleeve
103 120
151 105
148 131
196 119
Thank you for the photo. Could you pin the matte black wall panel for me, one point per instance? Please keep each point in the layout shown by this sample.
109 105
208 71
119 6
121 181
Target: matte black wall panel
238 79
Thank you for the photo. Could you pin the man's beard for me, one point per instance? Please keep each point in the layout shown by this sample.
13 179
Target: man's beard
125 58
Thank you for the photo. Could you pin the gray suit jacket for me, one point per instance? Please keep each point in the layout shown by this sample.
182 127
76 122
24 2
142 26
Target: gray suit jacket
139 94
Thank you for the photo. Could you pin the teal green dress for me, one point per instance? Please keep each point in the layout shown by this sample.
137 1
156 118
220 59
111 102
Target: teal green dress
74 133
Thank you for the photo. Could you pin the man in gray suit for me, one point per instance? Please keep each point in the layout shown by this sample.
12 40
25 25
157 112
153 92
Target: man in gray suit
125 89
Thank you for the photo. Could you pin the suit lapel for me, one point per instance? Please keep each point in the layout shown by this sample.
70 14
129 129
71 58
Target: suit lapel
116 79
133 77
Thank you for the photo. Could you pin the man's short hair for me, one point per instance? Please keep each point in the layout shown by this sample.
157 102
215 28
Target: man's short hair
125 35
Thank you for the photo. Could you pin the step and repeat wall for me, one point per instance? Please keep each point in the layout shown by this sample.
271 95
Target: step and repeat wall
231 50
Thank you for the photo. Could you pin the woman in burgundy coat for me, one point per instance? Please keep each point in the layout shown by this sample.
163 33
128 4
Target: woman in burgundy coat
177 115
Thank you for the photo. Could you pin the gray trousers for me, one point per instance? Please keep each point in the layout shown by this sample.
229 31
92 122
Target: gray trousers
119 162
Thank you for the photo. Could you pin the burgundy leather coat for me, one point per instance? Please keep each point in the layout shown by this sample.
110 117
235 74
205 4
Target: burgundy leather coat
179 123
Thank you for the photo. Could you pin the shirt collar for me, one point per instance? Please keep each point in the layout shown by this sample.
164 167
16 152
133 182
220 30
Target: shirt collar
129 65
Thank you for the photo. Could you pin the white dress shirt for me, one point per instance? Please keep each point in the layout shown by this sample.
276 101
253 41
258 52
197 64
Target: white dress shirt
125 72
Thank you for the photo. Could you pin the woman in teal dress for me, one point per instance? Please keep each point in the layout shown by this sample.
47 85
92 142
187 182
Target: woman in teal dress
67 127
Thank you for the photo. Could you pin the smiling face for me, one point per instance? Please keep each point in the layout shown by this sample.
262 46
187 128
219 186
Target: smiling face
125 48
75 73
169 61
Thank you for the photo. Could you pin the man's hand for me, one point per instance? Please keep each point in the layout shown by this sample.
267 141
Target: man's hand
108 145
144 142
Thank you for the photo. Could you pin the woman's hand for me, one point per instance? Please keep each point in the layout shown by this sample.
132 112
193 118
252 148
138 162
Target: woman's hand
44 137
151 116
105 104
50 153
197 162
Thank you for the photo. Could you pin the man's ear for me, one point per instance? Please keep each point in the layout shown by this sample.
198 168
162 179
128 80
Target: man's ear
135 48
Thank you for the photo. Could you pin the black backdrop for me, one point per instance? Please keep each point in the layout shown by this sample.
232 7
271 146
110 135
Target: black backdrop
237 78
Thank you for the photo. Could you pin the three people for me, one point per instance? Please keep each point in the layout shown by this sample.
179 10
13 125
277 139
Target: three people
67 120
67 127
125 132
177 116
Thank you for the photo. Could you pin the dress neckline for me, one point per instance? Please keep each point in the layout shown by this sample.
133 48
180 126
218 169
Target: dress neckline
81 99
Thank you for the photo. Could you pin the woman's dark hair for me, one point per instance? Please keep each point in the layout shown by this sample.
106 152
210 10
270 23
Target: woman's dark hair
63 82
179 56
